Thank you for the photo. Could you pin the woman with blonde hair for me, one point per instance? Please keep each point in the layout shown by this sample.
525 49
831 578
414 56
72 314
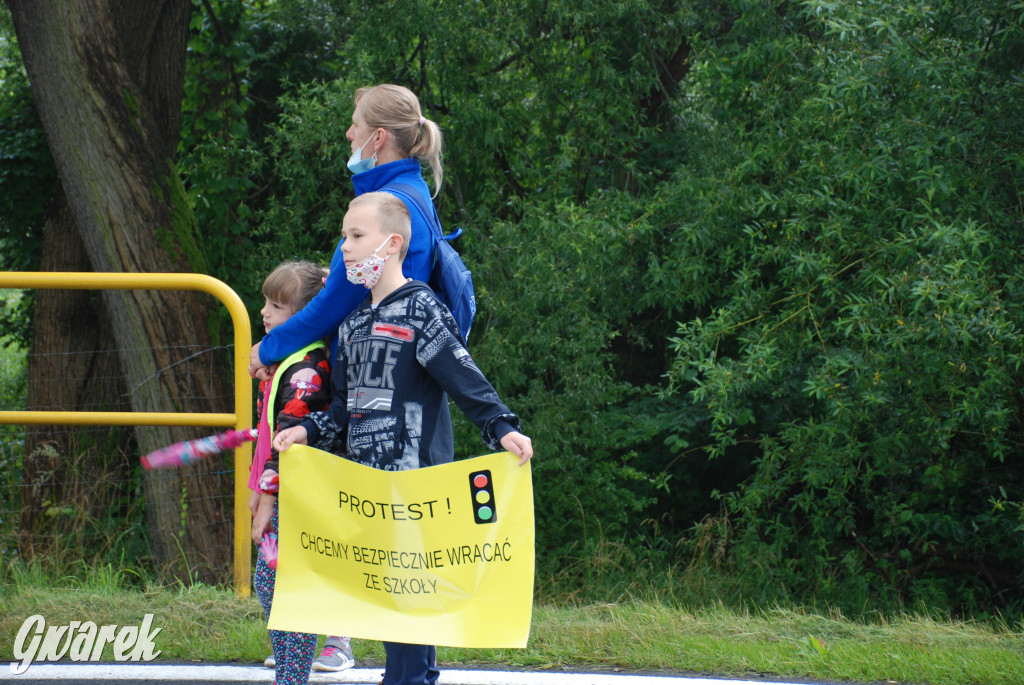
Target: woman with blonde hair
389 122
391 143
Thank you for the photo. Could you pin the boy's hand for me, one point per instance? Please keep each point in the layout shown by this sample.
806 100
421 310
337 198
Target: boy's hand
296 435
519 445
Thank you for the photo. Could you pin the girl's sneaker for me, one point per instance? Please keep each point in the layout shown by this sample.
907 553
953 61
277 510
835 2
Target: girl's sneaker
337 656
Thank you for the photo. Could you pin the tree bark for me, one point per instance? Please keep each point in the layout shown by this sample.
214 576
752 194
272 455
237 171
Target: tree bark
69 371
107 76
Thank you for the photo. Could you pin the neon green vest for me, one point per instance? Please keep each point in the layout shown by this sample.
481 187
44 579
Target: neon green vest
272 393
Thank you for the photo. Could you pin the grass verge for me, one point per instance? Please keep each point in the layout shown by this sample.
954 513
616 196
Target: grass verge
203 623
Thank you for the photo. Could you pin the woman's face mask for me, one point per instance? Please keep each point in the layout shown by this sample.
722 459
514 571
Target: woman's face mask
356 163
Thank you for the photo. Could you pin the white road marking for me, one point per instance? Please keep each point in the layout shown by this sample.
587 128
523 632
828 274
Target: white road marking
84 673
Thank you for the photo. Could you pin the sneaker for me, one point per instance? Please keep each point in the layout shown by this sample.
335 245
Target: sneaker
270 662
334 658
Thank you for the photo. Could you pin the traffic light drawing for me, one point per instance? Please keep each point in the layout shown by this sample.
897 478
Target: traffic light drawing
481 491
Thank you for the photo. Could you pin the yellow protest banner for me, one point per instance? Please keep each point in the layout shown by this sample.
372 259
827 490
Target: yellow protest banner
441 556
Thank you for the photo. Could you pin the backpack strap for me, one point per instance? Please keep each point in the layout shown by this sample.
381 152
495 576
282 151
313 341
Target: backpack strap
449 278
407 192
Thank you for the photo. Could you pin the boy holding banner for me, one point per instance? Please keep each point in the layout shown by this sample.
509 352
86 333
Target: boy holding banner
400 354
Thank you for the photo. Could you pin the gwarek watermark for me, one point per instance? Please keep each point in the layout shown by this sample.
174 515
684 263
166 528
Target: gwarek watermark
81 641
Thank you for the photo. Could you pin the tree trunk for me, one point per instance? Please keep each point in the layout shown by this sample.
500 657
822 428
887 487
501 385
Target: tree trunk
107 77
72 367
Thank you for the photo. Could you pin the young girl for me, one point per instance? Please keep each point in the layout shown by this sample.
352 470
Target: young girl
298 386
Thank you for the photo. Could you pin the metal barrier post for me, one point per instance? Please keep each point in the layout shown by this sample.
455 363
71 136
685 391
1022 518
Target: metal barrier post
240 419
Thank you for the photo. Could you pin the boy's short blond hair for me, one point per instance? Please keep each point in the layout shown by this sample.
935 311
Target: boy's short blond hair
392 216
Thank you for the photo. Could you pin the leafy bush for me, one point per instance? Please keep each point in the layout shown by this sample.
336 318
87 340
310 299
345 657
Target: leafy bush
867 334
547 162
12 438
745 264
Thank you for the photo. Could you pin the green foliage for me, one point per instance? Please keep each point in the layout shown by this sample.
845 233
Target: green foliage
215 148
12 438
27 177
12 358
243 58
309 152
867 329
547 153
540 100
822 195
558 270
741 263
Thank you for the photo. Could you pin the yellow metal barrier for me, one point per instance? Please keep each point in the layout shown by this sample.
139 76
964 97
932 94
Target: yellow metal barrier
242 418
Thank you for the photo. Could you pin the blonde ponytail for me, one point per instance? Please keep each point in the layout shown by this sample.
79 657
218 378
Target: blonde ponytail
397 109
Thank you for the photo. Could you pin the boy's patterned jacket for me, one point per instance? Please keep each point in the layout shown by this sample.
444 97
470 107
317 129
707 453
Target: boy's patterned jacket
396 365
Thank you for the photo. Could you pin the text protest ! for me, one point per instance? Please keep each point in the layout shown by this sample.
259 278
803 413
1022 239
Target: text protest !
443 555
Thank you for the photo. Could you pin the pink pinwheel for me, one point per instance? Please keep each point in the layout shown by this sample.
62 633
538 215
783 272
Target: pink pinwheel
190 451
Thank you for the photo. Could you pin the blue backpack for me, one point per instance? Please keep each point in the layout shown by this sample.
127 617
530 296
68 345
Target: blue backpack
449 277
